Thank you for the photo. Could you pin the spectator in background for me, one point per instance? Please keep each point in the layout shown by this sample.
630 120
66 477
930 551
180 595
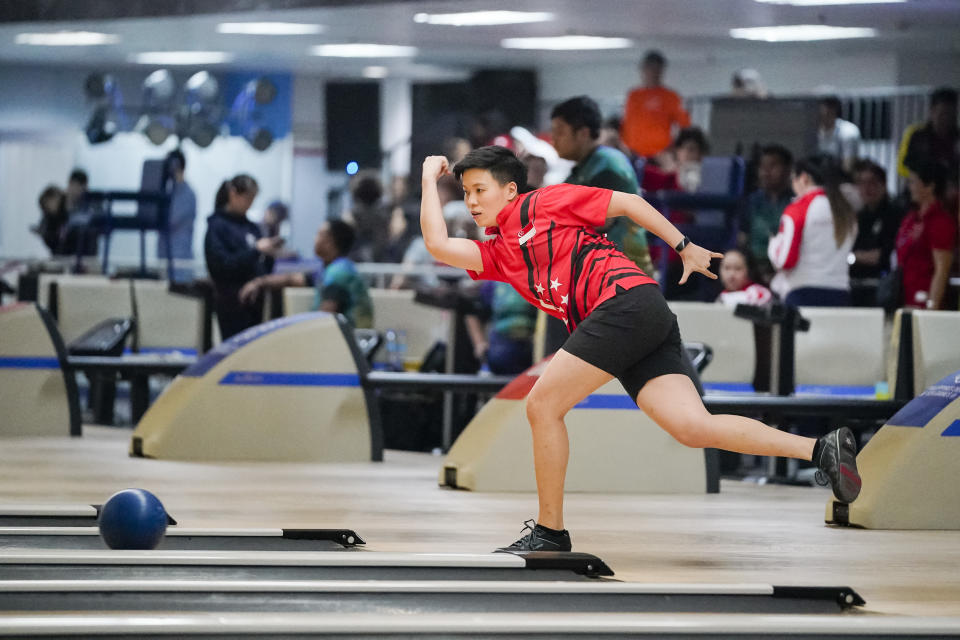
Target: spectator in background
77 191
506 342
459 223
681 171
610 135
53 220
79 236
652 110
764 206
342 290
183 212
455 148
575 128
273 217
835 136
236 253
747 83
369 217
937 140
536 170
877 224
926 239
816 234
739 282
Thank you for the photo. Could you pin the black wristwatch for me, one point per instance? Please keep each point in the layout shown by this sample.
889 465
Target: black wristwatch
682 244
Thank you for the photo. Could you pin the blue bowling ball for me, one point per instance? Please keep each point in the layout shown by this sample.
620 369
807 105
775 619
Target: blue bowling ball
132 519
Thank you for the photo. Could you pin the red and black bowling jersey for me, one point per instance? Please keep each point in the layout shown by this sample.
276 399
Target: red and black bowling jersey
545 246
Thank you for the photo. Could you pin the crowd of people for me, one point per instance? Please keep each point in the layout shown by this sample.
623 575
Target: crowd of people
816 230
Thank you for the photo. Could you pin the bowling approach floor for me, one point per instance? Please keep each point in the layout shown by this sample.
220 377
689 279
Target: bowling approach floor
746 534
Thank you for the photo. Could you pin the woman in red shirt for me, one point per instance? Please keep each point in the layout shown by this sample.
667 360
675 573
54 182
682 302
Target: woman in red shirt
544 245
926 240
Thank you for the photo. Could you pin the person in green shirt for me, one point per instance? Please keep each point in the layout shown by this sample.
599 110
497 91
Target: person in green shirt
761 217
575 127
341 289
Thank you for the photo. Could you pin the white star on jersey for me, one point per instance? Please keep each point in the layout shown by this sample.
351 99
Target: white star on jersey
563 299
555 284
540 289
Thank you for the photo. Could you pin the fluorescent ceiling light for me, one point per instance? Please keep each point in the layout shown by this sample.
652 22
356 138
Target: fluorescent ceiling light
67 38
483 18
375 72
567 43
181 57
818 3
270 28
801 33
363 51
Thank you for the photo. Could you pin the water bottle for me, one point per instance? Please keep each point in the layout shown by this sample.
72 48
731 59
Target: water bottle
401 349
392 360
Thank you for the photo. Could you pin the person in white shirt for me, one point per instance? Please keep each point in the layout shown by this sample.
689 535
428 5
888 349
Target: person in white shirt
837 137
814 240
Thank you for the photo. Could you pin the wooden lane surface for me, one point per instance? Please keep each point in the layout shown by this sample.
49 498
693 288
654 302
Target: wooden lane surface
745 534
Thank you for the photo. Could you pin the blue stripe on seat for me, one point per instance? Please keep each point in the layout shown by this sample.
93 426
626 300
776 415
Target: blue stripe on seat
10 362
290 379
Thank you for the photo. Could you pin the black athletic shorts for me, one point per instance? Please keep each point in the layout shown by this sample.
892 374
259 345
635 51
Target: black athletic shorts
633 336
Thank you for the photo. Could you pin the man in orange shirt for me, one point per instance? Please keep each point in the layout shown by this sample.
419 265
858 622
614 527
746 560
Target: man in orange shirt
652 110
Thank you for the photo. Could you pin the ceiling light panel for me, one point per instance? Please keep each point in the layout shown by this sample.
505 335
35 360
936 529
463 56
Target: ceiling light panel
67 39
181 57
270 28
483 18
801 33
821 3
363 50
567 43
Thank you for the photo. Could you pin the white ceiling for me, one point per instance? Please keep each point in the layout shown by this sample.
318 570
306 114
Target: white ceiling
687 30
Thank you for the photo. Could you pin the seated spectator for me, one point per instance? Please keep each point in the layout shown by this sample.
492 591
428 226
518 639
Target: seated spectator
877 224
680 171
236 254
610 135
837 137
739 286
77 199
926 239
507 342
816 234
273 217
761 215
53 219
937 139
342 289
460 224
369 217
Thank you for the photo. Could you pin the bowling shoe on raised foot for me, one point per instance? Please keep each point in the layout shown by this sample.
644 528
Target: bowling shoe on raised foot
837 464
540 538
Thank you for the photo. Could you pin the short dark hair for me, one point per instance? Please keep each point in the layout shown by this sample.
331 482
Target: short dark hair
870 166
782 153
932 173
833 102
579 112
366 187
502 164
342 234
177 155
78 175
694 134
943 95
654 57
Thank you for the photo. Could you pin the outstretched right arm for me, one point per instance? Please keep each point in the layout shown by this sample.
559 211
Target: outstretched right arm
456 252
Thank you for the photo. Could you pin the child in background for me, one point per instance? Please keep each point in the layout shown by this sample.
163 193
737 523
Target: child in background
738 284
